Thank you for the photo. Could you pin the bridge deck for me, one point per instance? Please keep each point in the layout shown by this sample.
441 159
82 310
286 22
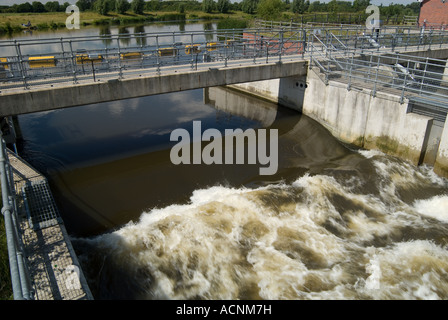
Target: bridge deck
50 255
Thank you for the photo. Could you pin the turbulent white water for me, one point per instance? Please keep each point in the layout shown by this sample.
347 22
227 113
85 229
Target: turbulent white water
319 237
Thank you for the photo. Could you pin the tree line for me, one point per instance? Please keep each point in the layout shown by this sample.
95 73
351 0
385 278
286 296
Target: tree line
264 8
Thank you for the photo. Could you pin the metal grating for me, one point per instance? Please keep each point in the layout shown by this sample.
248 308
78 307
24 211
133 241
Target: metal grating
430 107
40 206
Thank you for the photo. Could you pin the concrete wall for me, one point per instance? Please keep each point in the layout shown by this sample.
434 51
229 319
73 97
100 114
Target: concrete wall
441 165
354 116
289 92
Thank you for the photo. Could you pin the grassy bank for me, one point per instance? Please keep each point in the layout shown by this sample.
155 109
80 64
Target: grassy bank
12 22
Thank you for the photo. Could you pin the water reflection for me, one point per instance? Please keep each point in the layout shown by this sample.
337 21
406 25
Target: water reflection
92 152
208 26
124 36
105 34
139 38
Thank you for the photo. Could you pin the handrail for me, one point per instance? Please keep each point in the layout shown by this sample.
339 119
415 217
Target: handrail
17 261
416 77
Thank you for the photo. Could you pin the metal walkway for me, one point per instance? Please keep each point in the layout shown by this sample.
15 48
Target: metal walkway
52 269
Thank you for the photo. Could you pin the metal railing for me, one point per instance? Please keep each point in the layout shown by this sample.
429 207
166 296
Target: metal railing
401 74
32 62
20 276
47 61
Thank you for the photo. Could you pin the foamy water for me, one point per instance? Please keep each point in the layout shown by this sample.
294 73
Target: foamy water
319 237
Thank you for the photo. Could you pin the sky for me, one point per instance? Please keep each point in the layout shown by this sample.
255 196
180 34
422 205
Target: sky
375 2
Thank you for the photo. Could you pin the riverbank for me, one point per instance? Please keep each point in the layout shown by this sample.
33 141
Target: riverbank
12 22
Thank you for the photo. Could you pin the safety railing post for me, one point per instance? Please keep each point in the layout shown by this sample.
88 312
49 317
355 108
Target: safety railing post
158 55
255 44
63 53
311 46
21 66
424 76
281 45
73 61
350 75
225 51
120 67
191 50
403 88
7 215
376 77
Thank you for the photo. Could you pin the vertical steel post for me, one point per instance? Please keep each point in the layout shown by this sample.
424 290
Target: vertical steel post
281 45
403 88
120 67
376 76
6 211
424 75
350 75
255 44
191 52
63 52
225 51
73 62
21 68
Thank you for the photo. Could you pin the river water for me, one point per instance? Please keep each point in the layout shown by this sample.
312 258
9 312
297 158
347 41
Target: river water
334 222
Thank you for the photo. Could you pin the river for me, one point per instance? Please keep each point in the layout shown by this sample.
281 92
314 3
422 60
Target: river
334 222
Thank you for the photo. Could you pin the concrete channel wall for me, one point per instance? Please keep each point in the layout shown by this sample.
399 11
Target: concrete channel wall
358 117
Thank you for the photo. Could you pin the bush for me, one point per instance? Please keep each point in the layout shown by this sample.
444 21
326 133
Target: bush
229 23
270 9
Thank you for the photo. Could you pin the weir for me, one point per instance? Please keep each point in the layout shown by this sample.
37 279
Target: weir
345 83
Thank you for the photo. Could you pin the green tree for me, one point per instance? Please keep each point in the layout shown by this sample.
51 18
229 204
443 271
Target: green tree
153 5
137 6
223 6
38 6
100 6
181 7
360 5
249 6
333 6
299 6
24 7
208 6
52 6
121 6
270 9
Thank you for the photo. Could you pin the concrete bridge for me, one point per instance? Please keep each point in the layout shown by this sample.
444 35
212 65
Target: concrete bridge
147 82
